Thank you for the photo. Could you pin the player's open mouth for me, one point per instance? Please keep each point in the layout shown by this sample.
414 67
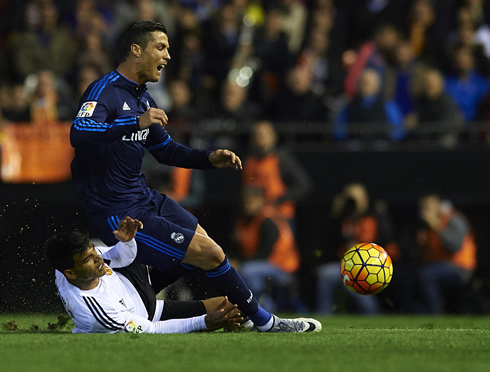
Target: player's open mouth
101 266
160 67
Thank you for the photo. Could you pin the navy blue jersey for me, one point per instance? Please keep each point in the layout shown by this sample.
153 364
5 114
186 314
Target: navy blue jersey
109 146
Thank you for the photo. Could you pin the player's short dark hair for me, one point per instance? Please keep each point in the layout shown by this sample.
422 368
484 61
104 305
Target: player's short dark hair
138 33
61 248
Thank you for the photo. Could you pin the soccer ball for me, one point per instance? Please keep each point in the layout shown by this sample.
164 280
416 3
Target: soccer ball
366 269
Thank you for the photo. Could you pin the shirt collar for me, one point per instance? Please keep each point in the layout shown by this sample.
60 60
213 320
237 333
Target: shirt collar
132 85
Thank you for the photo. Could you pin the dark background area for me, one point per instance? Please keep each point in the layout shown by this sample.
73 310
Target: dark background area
31 213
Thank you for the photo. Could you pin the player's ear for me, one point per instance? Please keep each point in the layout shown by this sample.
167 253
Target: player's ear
136 50
70 274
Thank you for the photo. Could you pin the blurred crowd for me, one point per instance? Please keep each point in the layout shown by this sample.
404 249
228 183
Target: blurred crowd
369 69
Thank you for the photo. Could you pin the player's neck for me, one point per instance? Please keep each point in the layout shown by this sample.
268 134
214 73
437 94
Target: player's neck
84 284
131 72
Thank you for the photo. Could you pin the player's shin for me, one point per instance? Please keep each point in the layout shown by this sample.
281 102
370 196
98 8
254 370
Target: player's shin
229 283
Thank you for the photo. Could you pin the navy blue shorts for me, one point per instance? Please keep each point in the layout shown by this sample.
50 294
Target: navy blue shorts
167 231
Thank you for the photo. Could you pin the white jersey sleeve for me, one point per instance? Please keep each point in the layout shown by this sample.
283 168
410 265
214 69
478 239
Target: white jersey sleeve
121 255
138 324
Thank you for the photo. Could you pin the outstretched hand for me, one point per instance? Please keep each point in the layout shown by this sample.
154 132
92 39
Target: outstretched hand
224 314
127 228
224 159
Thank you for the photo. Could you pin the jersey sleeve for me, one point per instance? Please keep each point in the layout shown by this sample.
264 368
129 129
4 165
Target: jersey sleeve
169 152
138 324
121 255
96 122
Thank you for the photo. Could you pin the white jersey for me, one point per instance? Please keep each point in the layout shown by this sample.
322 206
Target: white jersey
114 304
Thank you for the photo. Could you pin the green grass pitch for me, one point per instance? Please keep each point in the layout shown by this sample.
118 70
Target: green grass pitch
346 343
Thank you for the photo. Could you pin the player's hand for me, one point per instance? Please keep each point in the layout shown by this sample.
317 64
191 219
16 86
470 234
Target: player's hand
153 116
224 159
127 228
224 314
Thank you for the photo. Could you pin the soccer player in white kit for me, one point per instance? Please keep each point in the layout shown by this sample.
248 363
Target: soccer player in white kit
101 300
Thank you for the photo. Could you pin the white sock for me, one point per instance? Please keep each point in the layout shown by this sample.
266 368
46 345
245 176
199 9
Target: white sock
267 326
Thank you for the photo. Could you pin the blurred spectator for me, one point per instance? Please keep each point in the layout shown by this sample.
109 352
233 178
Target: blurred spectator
127 11
422 18
448 251
45 46
369 108
297 102
204 9
187 43
86 75
273 55
44 101
221 42
476 12
92 51
182 111
235 105
471 29
375 54
50 101
282 177
5 96
294 16
268 256
185 186
88 17
437 107
325 68
191 61
15 105
467 87
466 38
430 23
354 221
406 84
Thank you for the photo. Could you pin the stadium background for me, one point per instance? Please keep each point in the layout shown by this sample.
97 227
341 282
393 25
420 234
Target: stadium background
397 172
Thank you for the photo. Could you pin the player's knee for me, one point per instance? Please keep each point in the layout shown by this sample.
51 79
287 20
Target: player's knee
214 256
204 253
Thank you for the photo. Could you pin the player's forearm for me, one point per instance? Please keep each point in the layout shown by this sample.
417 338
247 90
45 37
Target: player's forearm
178 325
173 153
86 131
122 254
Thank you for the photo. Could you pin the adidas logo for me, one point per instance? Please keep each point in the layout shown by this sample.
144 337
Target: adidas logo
126 107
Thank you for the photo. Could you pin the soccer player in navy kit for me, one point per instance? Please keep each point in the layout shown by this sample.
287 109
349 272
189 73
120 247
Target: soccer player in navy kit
117 120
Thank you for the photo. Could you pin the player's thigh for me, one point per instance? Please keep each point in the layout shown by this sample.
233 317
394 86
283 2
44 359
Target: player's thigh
161 243
203 252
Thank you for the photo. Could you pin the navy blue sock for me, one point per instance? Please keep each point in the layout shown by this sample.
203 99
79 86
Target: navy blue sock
229 283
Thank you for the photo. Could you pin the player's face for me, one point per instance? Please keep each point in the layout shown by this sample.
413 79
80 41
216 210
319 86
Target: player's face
89 264
155 57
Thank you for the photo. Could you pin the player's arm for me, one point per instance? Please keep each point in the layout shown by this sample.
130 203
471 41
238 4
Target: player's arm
224 314
167 151
123 253
95 123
